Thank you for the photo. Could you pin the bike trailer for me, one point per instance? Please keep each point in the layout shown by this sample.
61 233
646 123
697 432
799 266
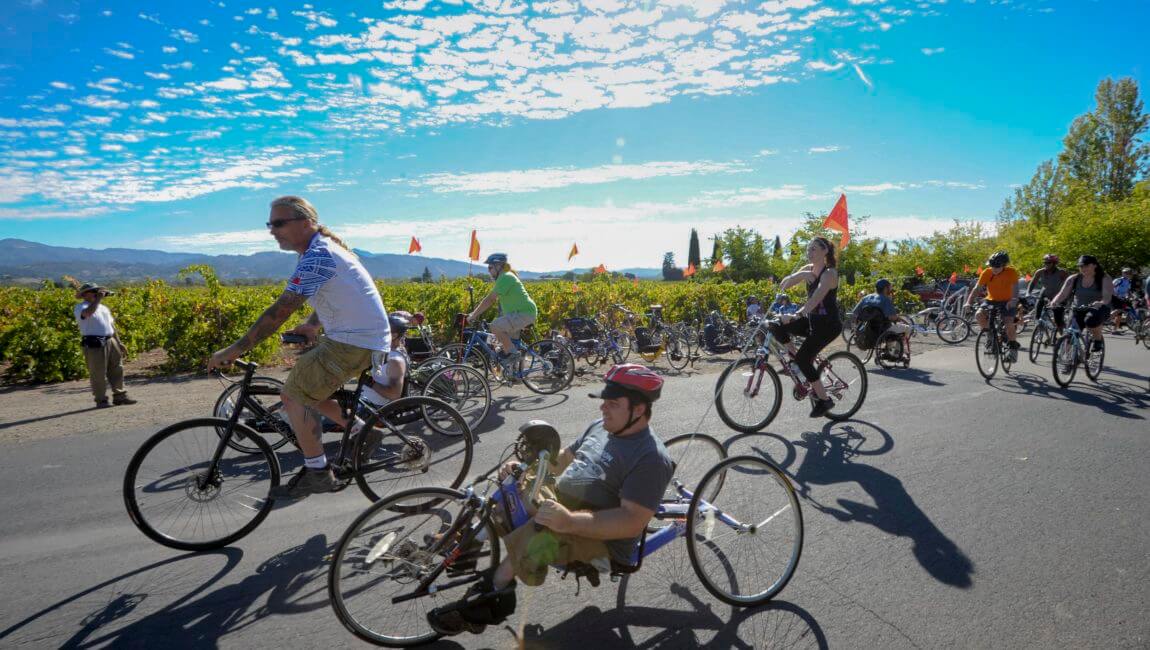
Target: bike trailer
582 329
645 342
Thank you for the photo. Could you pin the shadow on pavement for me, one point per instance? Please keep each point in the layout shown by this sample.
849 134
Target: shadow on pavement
1112 398
917 375
16 423
527 403
828 461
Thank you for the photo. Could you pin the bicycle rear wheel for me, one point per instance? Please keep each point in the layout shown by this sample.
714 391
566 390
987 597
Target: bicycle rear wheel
745 544
952 329
845 380
176 498
547 367
677 349
748 395
396 453
272 425
466 390
388 549
986 354
1065 361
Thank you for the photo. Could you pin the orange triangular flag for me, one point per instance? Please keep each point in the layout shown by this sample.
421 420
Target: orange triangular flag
414 247
919 270
837 220
1028 277
600 269
966 268
690 271
719 266
635 281
473 252
573 253
954 277
980 271
574 288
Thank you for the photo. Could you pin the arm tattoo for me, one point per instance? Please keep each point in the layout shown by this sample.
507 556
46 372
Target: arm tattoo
271 319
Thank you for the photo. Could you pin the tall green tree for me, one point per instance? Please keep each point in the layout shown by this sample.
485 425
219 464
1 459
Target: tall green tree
716 250
1039 200
426 277
693 256
1104 152
778 251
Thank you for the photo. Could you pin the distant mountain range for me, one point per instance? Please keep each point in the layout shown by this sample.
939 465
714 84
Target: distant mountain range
26 262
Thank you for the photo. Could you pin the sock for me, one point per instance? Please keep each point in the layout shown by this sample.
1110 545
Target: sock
319 462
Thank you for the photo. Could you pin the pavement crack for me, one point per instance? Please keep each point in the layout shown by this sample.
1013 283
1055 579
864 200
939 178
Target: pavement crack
868 610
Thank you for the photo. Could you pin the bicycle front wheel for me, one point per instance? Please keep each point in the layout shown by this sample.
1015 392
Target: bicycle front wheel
394 452
547 367
748 395
476 358
1065 361
384 554
623 340
986 354
1094 360
177 497
677 349
466 390
1037 340
272 424
845 380
745 544
952 329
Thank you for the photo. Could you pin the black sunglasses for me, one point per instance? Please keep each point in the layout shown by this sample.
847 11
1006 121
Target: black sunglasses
279 223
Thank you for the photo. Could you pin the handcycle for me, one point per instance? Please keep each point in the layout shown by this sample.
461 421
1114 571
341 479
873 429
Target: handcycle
992 348
658 337
889 349
747 403
394 557
545 366
1075 347
192 487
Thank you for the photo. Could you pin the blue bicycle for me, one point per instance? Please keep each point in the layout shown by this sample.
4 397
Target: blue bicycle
545 366
416 544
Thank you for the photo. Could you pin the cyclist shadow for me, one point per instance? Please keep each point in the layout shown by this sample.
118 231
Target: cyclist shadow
1111 402
827 461
917 375
755 444
526 403
292 581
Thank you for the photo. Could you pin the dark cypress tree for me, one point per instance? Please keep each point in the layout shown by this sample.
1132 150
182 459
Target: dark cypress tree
693 251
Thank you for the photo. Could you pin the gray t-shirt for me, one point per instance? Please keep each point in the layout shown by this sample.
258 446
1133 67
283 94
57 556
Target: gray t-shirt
608 469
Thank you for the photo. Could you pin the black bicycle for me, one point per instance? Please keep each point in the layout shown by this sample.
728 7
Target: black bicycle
992 348
192 487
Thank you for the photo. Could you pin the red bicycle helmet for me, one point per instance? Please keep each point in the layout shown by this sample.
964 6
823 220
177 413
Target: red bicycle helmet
633 380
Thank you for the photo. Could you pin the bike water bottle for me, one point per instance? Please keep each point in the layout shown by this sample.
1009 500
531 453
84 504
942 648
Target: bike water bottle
513 502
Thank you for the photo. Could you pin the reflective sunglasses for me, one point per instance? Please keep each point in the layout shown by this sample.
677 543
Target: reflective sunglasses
279 223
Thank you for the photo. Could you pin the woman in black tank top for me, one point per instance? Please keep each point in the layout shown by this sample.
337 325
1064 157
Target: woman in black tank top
818 320
1092 290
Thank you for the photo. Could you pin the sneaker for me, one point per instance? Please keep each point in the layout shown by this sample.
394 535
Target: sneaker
450 622
481 606
123 400
306 482
103 404
821 407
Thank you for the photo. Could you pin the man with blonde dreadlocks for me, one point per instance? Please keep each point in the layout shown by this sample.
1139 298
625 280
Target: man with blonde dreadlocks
348 308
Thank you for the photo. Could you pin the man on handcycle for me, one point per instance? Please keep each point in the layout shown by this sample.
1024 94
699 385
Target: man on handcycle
518 310
881 300
608 485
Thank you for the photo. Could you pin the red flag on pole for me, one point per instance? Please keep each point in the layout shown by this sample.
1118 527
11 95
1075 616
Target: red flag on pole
1028 277
473 252
573 253
600 269
837 220
954 277
966 268
719 266
414 247
690 271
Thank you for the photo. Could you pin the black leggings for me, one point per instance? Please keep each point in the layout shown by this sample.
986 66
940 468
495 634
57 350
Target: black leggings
819 332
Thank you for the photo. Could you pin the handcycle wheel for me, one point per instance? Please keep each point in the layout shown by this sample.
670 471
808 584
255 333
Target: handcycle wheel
888 348
548 367
466 390
694 454
738 408
845 380
986 354
1094 361
384 554
476 358
1065 361
745 544
273 427
172 498
852 345
952 329
411 454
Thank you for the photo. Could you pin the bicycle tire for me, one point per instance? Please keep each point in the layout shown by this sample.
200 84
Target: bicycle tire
864 355
701 538
772 402
551 369
952 329
678 351
465 389
1093 362
1065 361
477 358
1037 341
404 454
885 361
623 340
1145 329
352 560
835 390
693 454
1004 353
985 355
226 402
257 500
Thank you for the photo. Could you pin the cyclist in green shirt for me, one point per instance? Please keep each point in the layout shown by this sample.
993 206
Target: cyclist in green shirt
517 310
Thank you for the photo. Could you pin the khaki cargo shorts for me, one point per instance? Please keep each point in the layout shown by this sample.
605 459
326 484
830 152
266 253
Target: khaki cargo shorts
322 370
511 324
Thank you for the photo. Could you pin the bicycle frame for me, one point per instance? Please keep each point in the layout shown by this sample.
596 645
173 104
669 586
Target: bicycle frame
478 340
769 346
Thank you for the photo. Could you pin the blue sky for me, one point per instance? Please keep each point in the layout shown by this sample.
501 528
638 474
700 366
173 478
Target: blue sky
616 125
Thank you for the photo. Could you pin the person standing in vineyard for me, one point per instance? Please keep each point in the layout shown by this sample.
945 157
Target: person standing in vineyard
348 308
103 352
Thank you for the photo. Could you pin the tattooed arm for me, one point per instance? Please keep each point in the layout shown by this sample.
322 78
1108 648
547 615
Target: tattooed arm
266 325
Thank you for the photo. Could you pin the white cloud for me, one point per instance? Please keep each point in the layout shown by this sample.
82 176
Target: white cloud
828 149
185 36
170 49
828 67
534 180
931 51
866 80
120 54
61 85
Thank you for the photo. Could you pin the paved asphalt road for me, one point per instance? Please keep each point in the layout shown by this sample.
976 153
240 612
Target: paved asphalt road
951 513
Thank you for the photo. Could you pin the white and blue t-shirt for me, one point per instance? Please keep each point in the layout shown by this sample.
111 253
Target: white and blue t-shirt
342 294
